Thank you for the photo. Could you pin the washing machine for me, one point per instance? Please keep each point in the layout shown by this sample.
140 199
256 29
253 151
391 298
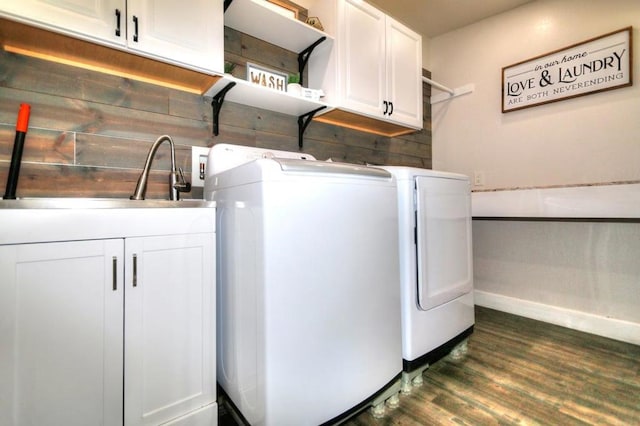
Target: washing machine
436 266
308 293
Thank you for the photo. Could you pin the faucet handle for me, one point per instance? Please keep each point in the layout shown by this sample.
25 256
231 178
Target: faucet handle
181 185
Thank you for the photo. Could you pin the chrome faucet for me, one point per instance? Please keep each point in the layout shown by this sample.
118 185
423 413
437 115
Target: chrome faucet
175 186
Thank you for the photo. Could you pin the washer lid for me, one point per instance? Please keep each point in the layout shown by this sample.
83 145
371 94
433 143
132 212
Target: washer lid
224 156
326 167
409 173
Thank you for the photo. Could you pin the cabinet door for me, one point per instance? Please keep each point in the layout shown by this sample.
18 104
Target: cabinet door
61 331
170 327
185 33
404 70
362 51
90 19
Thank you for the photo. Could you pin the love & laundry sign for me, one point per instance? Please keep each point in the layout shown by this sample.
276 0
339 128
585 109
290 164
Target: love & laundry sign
602 63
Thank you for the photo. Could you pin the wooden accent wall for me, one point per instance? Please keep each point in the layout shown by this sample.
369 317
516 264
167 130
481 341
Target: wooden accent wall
89 132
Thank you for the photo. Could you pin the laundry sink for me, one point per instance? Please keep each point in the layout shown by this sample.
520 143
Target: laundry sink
33 220
99 203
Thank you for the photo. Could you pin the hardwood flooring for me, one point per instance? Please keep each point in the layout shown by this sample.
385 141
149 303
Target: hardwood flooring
523 372
519 371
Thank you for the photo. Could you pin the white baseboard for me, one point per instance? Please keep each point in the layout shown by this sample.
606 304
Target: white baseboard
612 328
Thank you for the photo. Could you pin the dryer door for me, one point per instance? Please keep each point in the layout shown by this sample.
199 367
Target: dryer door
443 240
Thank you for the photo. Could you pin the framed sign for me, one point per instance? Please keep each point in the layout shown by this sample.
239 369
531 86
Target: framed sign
602 63
267 78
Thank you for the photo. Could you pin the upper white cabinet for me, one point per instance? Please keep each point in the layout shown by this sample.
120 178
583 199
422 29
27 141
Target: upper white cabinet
374 69
188 33
404 74
190 36
361 59
99 19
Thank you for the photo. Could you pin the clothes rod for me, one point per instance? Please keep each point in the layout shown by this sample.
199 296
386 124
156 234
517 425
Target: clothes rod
437 85
451 93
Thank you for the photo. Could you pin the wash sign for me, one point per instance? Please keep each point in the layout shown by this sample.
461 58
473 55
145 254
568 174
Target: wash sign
602 63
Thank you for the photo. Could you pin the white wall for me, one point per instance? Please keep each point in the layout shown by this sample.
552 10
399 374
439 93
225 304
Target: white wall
591 139
583 275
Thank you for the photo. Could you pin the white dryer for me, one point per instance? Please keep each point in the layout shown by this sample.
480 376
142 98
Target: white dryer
308 294
436 273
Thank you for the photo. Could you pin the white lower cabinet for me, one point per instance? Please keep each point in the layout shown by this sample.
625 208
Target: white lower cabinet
169 328
61 318
108 331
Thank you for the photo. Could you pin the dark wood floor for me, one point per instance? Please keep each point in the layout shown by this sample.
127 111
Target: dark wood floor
519 371
523 372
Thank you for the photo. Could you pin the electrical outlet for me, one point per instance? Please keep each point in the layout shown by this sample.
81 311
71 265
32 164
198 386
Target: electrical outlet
478 178
199 157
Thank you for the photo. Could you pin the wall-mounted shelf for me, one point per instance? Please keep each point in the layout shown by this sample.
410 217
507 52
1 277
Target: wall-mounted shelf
246 93
253 18
250 94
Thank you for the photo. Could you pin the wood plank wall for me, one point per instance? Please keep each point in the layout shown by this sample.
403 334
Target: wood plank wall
89 132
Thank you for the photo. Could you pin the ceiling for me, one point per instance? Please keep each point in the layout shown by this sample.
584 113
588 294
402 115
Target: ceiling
432 18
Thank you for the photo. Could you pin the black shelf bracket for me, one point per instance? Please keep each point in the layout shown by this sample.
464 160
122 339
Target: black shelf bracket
303 57
227 3
216 104
303 123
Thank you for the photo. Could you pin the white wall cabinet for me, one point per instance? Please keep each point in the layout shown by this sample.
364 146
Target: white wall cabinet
191 34
99 19
404 74
375 68
81 322
163 29
361 59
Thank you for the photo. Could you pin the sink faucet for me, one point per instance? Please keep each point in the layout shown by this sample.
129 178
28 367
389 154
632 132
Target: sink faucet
175 186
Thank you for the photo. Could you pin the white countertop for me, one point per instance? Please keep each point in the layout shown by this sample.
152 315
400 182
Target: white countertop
609 201
30 225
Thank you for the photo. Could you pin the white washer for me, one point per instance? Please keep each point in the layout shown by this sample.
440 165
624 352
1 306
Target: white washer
434 210
308 294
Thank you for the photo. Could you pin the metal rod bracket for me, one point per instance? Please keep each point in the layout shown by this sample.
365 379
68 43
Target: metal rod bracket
216 104
303 122
303 57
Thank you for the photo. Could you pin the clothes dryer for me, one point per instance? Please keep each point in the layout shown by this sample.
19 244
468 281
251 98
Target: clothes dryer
436 273
308 293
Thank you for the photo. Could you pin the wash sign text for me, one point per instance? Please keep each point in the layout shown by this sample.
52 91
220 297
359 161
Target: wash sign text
602 63
266 78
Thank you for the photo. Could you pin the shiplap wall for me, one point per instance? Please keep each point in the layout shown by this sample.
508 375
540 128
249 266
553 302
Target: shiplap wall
89 132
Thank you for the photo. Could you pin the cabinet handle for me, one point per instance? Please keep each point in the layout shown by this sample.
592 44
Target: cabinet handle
386 107
391 105
135 26
135 270
114 265
117 23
